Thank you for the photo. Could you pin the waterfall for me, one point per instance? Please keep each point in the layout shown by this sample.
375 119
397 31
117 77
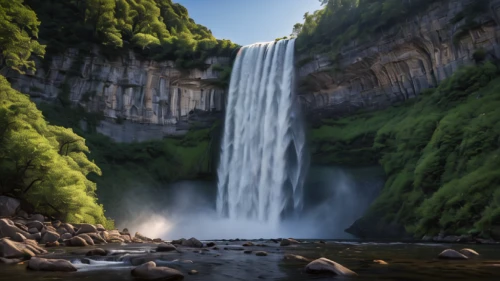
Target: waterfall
261 169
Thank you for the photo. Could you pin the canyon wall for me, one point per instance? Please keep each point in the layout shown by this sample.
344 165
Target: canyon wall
133 92
405 60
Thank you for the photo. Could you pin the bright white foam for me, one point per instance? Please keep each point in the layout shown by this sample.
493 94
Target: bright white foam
261 168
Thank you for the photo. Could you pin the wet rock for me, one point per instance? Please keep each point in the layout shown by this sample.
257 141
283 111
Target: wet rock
165 247
247 244
51 244
150 271
9 229
157 240
192 242
326 265
8 206
18 237
215 248
142 237
247 251
450 239
37 217
65 236
96 252
484 241
10 261
210 244
21 226
76 242
126 238
41 264
49 236
56 224
382 262
469 252
99 227
96 238
452 254
427 238
261 253
48 228
87 239
288 242
22 250
69 228
32 230
192 272
275 241
86 228
35 224
291 257
61 230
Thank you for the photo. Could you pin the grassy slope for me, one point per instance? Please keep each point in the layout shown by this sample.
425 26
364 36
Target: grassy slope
440 153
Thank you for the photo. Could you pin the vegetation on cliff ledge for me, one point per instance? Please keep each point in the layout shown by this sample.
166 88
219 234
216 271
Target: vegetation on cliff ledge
156 29
441 153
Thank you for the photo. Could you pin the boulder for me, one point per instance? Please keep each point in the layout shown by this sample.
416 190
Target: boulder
66 236
157 240
49 236
76 242
56 224
10 261
192 242
8 206
40 264
48 228
18 237
326 265
104 235
192 272
87 239
178 242
142 237
21 226
165 247
116 240
9 229
450 239
137 240
35 224
126 238
469 252
381 262
125 231
149 271
261 253
247 252
452 255
96 238
99 227
86 228
51 244
288 242
291 257
210 244
97 252
247 244
69 228
37 217
61 230
33 230
12 249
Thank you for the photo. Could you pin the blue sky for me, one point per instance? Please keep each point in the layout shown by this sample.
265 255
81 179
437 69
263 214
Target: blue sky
249 21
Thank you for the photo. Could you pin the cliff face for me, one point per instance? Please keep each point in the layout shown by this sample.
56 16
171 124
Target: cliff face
128 88
407 59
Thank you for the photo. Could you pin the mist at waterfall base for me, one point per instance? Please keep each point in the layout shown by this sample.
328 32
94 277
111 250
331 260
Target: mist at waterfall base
333 199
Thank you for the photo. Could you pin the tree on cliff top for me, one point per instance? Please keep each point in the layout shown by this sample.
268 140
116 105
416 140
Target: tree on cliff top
18 36
43 164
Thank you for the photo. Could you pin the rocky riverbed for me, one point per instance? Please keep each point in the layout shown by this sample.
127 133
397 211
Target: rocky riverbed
90 252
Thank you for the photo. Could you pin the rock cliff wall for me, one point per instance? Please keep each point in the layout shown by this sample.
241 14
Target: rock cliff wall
407 59
127 88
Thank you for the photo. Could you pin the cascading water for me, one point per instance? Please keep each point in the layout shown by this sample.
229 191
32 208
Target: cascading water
261 170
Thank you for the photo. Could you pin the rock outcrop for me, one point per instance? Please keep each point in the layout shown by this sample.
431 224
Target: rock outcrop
127 88
400 64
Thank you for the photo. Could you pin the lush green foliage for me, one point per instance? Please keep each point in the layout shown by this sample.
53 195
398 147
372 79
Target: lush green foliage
157 29
44 164
342 22
18 33
441 153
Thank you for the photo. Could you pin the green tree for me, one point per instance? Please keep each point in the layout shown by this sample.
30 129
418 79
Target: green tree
18 36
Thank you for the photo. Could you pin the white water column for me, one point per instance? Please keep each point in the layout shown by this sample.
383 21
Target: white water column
261 170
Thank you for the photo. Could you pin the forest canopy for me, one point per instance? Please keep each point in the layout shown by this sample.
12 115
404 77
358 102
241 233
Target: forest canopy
157 29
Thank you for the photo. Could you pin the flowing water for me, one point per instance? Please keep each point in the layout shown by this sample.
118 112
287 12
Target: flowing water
261 169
